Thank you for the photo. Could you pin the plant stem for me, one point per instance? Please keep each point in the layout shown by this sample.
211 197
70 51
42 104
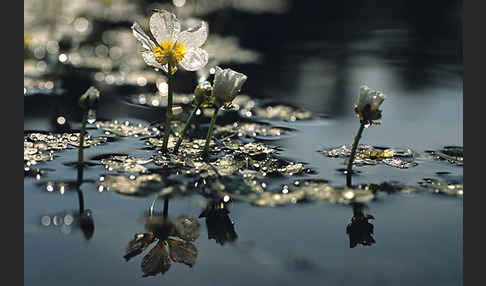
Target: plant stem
210 131
186 126
168 112
81 139
353 154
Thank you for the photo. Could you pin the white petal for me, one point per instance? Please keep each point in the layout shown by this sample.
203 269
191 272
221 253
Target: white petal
150 60
227 83
194 37
238 79
143 38
369 96
194 59
164 26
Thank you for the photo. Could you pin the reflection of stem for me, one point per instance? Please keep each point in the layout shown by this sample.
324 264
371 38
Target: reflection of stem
168 113
166 207
210 131
81 139
357 209
80 193
186 126
81 201
353 154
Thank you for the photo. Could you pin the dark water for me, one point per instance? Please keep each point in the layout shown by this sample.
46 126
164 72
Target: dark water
313 57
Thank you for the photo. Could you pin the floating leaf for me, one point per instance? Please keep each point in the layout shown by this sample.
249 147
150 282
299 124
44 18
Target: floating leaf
453 154
126 129
369 155
123 163
32 155
442 187
159 99
137 186
391 188
313 190
57 142
281 112
249 130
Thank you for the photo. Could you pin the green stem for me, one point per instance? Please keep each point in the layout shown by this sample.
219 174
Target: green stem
81 139
168 112
353 154
210 131
186 126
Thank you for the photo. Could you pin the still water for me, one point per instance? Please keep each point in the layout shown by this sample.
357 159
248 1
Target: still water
419 237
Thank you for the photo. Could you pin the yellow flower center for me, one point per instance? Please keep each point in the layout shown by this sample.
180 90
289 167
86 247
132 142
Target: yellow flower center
168 53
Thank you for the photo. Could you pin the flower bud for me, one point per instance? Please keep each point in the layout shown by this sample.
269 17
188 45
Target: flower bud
227 84
368 103
202 93
90 98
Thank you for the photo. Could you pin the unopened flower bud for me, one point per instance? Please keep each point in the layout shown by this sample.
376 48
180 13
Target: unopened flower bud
368 103
202 93
90 98
227 84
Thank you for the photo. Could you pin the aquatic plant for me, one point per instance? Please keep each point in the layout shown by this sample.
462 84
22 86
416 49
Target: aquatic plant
226 85
166 47
367 111
88 101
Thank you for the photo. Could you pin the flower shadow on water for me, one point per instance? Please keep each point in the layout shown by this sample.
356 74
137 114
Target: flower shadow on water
174 239
360 230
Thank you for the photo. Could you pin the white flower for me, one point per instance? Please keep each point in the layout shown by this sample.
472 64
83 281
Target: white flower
169 45
227 83
368 103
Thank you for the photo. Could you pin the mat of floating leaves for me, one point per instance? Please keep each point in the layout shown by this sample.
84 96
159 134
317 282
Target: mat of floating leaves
442 187
127 129
368 155
248 129
125 163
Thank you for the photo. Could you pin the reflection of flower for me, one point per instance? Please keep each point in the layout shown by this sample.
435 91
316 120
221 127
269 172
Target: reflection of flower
86 224
174 243
170 44
360 230
227 84
368 103
219 225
